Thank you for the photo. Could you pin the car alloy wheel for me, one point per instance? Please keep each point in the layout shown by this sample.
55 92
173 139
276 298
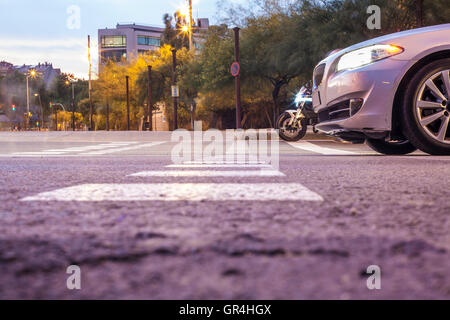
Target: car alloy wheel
432 106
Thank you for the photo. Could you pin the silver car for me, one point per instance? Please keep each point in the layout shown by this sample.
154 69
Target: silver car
392 92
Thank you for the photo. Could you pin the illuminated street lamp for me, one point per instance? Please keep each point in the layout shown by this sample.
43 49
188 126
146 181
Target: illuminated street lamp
68 83
55 109
32 74
186 11
42 112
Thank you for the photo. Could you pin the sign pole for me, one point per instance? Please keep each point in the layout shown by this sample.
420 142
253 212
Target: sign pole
149 102
127 78
91 110
237 77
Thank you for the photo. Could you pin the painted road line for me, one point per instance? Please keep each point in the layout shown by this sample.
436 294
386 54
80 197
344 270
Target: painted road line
224 162
41 153
52 152
180 192
109 151
94 147
307 146
255 173
206 164
199 166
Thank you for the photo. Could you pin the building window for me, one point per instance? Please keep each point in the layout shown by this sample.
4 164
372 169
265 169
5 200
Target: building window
114 41
198 46
144 52
114 55
148 41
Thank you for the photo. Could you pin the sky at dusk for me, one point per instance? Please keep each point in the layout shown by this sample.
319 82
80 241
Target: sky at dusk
45 30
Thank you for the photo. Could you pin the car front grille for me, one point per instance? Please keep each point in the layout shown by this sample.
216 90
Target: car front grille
338 111
318 75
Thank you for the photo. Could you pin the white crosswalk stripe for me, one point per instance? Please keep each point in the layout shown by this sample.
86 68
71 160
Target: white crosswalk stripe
199 166
308 146
91 150
254 173
181 192
140 146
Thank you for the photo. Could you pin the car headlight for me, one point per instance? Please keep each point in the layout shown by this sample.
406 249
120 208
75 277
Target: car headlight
362 57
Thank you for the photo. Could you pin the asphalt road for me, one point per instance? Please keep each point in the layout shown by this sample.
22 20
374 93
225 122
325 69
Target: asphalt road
141 227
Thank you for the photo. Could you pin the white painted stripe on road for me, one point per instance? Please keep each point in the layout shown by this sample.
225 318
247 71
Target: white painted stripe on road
87 148
41 153
180 192
254 173
307 146
225 162
135 147
199 166
52 152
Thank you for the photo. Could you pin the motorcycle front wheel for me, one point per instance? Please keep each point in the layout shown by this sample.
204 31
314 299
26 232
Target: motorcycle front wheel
294 132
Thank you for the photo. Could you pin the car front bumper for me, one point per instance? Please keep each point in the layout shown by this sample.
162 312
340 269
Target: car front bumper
375 84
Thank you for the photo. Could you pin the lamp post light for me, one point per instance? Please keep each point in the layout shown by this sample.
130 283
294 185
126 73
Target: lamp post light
32 74
72 84
56 113
190 25
41 120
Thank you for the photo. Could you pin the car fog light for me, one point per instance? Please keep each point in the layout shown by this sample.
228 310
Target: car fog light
355 106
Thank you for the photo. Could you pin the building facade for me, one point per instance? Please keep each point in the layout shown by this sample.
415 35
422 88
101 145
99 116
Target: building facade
44 70
127 40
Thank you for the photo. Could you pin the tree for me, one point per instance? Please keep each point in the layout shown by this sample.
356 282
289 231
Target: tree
172 34
271 51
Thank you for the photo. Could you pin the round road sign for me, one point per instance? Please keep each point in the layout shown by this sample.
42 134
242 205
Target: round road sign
235 69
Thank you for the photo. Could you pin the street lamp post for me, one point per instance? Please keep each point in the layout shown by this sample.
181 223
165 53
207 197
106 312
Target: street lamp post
71 83
127 79
190 25
149 102
56 113
237 79
32 74
41 120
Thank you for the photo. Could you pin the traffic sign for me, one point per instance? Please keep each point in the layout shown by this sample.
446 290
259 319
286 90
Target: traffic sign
235 69
175 91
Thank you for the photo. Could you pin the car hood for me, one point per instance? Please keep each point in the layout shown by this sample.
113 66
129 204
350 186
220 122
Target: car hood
389 38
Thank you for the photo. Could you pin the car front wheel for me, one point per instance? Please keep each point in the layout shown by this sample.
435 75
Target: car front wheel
425 110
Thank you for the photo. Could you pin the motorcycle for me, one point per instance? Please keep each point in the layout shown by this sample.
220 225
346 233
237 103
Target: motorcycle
293 124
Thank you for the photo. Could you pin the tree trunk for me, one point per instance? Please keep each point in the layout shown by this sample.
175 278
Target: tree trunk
275 93
419 13
268 117
107 115
244 120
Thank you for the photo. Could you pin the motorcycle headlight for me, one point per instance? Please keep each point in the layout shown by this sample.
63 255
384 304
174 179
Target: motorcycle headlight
364 56
300 97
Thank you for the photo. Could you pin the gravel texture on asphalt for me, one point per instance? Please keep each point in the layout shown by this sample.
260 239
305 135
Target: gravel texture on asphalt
387 211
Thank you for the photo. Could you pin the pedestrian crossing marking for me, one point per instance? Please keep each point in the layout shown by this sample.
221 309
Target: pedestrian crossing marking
99 149
193 192
218 165
109 151
308 146
190 173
